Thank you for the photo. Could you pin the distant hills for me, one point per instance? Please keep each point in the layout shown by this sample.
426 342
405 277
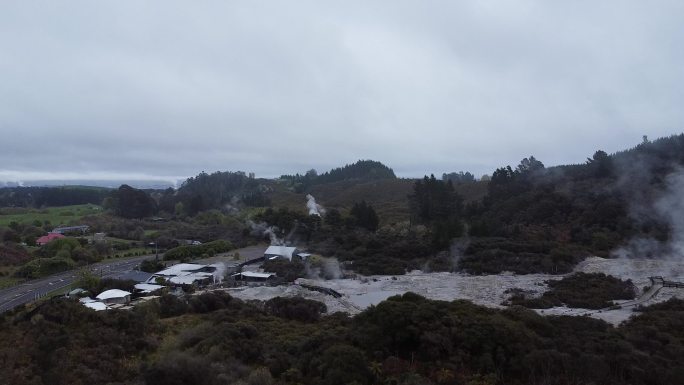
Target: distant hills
114 183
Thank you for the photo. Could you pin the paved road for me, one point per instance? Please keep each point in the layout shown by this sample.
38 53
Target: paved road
30 290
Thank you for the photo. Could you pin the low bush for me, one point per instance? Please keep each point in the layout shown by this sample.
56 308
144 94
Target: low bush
296 308
284 269
41 267
581 290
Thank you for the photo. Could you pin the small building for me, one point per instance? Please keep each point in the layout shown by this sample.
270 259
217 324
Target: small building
45 239
77 293
147 288
193 279
179 269
285 252
250 276
93 304
188 274
114 296
71 229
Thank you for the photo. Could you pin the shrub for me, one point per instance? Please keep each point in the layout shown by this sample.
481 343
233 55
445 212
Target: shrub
288 271
296 308
581 290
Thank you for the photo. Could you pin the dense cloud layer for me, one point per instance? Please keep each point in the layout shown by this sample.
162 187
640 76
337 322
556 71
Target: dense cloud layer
170 88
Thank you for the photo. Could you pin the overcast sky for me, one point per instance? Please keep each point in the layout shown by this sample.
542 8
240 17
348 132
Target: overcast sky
166 89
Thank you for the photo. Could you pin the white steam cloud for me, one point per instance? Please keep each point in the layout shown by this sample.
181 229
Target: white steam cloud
220 272
313 207
262 229
667 208
324 268
671 208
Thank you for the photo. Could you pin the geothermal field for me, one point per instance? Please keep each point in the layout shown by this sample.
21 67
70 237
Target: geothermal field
486 290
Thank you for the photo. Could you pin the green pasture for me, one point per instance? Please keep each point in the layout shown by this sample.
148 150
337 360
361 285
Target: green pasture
63 215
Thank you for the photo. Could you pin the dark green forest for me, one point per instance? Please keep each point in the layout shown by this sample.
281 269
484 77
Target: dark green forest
362 170
215 339
51 196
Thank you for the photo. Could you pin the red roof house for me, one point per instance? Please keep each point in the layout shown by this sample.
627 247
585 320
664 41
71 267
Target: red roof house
48 238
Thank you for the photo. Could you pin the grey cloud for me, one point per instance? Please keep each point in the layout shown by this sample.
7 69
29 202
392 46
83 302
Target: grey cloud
170 88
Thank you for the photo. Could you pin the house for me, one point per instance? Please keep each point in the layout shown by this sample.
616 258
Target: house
93 304
193 279
71 229
189 274
77 293
45 239
251 276
285 252
114 296
176 270
147 288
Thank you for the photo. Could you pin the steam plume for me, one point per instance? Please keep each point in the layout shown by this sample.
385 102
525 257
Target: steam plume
262 229
314 208
325 268
667 208
220 272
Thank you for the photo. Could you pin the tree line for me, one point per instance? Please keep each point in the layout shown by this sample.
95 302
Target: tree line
215 339
362 170
38 197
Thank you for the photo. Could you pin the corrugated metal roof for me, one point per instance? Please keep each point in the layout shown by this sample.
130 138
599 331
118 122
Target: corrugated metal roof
147 287
180 268
251 274
113 293
189 279
284 251
97 306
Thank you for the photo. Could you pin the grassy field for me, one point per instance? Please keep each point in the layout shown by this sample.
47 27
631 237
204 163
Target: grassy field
64 215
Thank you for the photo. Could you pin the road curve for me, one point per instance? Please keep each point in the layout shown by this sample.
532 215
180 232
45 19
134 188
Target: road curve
28 291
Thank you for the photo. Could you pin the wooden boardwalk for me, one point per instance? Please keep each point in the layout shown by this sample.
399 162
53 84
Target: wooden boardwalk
658 280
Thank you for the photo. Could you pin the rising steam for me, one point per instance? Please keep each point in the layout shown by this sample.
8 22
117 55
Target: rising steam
220 272
262 229
323 268
667 208
313 207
